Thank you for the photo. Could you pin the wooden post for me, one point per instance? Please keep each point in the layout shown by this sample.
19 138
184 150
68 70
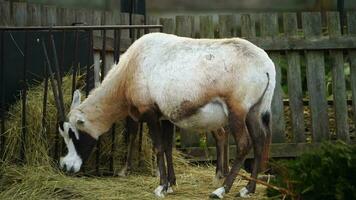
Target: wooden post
295 92
167 24
138 20
206 26
67 16
269 29
5 18
248 29
49 15
338 77
185 26
34 14
227 25
84 16
316 79
351 25
125 20
19 14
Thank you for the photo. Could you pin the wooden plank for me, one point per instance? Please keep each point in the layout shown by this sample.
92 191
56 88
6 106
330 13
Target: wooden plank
68 16
138 20
277 150
152 20
49 15
319 43
19 13
269 29
168 25
206 26
34 15
227 24
5 16
338 77
351 24
185 26
248 29
98 16
84 16
125 20
316 79
295 91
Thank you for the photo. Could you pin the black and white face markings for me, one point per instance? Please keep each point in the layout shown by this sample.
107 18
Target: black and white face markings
79 145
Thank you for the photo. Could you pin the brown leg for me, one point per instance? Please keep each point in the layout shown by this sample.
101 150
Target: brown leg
157 138
131 128
258 139
168 131
221 161
240 134
226 153
260 132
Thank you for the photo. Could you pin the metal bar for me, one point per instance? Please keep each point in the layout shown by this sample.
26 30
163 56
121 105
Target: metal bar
2 93
103 56
89 63
62 53
75 63
58 78
101 27
44 105
51 76
24 101
138 33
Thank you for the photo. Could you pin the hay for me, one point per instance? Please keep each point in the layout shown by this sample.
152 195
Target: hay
193 182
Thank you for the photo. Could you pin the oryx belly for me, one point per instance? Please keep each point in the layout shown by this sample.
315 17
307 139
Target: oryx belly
211 116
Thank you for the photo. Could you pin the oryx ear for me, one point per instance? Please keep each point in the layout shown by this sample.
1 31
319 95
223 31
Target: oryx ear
76 99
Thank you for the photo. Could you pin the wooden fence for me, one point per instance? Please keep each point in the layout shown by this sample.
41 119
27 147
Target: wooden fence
315 60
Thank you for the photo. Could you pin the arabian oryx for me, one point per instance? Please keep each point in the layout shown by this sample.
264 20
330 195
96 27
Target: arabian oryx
199 84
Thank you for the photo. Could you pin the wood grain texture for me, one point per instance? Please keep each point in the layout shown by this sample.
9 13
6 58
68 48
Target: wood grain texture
338 80
316 79
206 27
351 24
168 25
19 14
295 91
185 26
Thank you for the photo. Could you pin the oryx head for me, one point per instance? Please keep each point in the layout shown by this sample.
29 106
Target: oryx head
77 136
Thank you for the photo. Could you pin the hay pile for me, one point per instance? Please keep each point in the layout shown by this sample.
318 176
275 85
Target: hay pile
193 182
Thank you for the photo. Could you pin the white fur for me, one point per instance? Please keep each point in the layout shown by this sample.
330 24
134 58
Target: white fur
210 117
159 191
72 159
220 192
244 192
